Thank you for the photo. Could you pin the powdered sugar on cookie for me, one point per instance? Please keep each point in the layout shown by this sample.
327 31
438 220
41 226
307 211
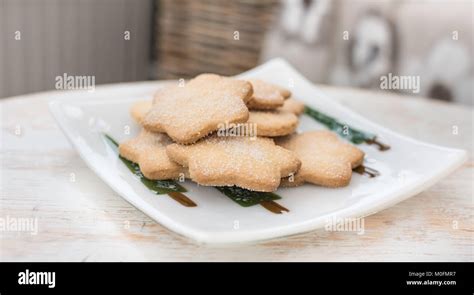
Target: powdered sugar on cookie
226 161
326 160
191 112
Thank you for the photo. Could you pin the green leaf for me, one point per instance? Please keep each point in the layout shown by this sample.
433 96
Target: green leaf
246 198
157 186
345 131
114 144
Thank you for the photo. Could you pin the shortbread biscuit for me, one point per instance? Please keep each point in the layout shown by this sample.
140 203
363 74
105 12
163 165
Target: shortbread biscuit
266 96
292 105
139 109
325 159
292 181
148 150
193 111
273 123
255 164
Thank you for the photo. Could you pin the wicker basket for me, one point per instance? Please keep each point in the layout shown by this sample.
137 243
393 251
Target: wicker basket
218 36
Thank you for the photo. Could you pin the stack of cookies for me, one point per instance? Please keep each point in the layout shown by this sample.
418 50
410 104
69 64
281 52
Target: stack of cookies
221 131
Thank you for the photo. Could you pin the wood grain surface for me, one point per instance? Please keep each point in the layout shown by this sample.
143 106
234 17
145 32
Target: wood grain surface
81 219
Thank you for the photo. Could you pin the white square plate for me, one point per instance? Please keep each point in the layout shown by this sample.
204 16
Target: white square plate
406 169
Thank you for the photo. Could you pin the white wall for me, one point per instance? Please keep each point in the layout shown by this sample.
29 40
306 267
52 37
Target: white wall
77 37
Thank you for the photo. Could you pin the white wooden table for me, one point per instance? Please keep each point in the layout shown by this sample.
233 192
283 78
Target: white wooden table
81 219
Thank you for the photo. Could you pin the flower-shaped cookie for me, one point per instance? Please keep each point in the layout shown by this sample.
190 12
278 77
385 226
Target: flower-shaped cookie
293 105
148 150
267 96
273 123
255 164
191 112
325 159
139 110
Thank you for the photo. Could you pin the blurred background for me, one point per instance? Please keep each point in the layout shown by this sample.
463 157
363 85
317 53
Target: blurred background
340 42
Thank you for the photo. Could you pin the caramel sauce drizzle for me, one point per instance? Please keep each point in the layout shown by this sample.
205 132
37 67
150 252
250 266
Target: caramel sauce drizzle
381 146
182 199
273 207
363 170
